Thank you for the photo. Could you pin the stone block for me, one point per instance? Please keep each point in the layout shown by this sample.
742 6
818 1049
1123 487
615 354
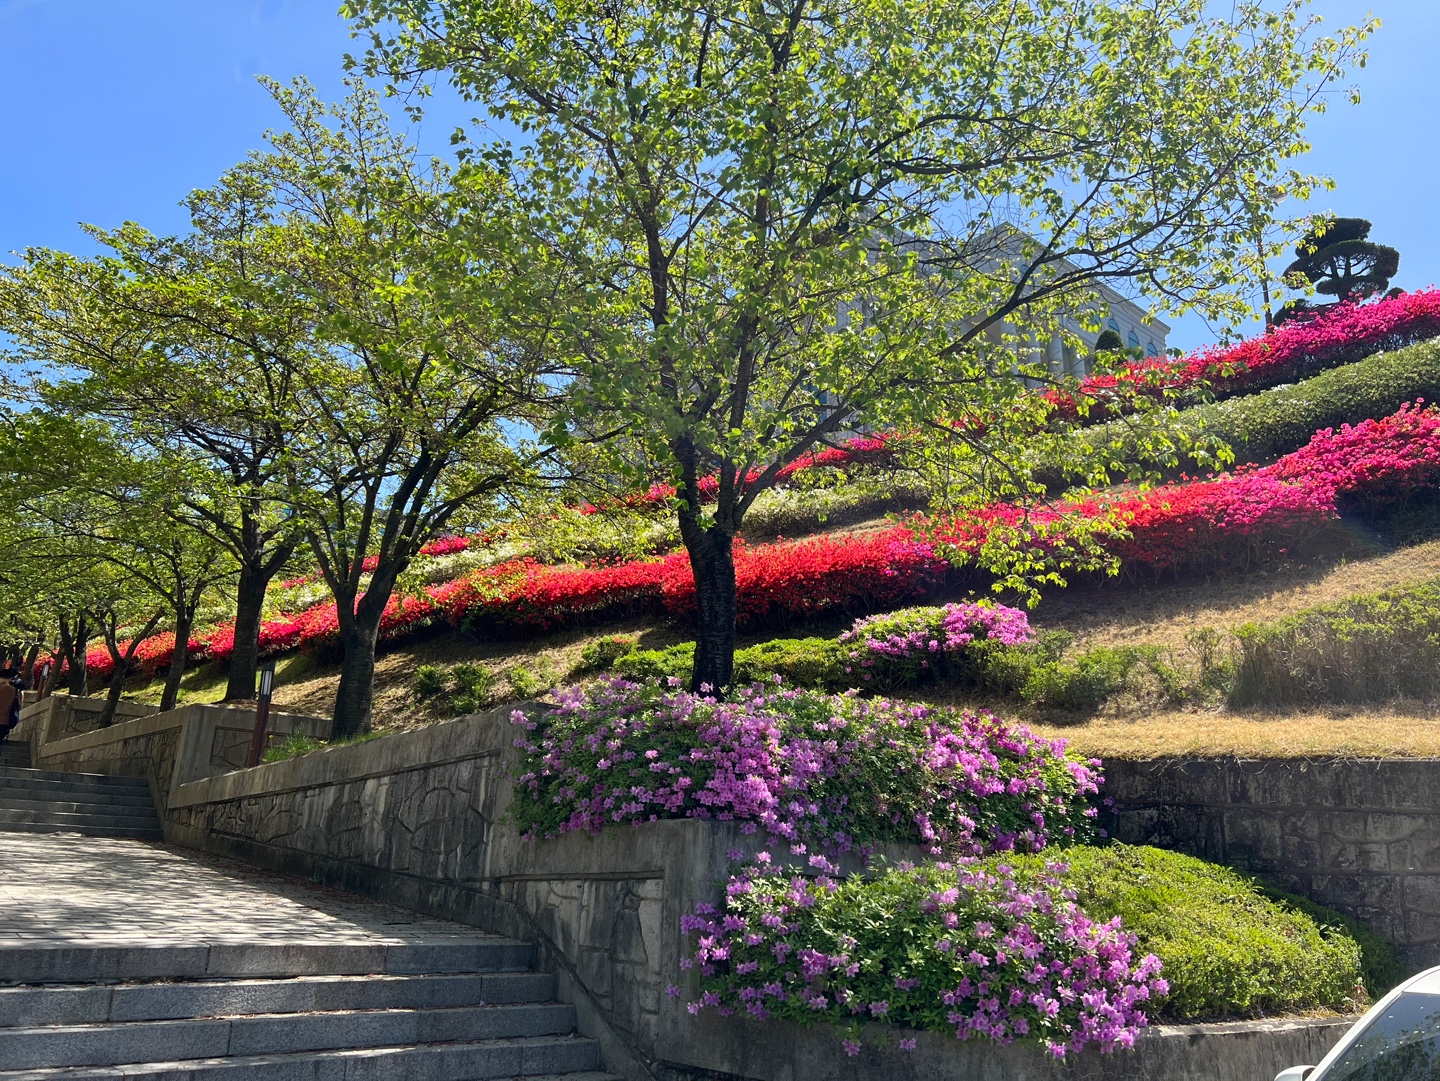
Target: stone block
1393 784
1253 839
1286 782
1352 826
1346 857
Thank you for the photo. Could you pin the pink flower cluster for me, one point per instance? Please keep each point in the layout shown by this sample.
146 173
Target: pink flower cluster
1232 518
1291 351
968 949
915 632
807 768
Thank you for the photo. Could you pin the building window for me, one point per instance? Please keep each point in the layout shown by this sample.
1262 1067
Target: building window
1150 350
1114 326
1133 339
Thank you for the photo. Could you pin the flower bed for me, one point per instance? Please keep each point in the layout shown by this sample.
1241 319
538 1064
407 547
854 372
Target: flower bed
1230 519
966 949
1067 951
1015 939
1291 351
808 768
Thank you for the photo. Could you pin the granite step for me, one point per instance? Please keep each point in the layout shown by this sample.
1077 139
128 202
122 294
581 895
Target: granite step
126 1043
543 1058
88 1004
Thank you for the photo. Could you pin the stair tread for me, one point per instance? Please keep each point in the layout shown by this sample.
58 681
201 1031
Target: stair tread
240 1062
23 773
377 1012
139 814
131 832
71 806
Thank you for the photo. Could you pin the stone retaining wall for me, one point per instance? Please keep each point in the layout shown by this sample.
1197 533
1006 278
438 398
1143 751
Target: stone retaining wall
167 749
418 819
1361 835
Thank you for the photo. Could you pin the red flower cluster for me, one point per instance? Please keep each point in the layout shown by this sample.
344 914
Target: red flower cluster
1227 520
1222 520
801 579
861 450
1291 351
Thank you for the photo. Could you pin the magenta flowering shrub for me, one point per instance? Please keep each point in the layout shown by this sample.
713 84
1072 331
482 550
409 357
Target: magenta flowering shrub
968 949
899 647
827 772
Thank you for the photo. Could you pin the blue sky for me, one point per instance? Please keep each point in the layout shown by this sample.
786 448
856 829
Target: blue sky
114 109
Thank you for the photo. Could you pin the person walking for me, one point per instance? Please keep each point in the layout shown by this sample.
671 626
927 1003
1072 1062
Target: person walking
10 685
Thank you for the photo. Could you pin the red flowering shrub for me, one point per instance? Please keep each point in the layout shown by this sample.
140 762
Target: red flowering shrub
1227 520
861 450
803 579
1291 351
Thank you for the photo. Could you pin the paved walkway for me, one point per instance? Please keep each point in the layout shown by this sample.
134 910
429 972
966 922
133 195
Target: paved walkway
64 889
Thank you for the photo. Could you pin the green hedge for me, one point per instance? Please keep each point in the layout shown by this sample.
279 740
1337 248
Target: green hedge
1038 674
1231 946
1366 648
1262 426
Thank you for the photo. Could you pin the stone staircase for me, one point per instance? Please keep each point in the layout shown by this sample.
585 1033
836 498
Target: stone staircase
45 801
287 1011
15 753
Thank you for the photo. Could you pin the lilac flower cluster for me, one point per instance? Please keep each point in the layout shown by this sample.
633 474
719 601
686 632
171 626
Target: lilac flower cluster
836 772
947 628
899 646
968 948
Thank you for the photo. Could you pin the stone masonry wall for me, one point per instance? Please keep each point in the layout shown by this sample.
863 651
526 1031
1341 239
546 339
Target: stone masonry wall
1361 835
418 819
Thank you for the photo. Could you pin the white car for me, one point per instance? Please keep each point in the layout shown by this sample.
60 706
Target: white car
1398 1040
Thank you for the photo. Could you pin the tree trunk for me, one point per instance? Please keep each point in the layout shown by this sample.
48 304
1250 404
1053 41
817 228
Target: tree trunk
184 621
27 674
123 662
356 694
117 688
245 660
712 561
72 650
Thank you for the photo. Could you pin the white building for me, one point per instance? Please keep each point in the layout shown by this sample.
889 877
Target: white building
1124 317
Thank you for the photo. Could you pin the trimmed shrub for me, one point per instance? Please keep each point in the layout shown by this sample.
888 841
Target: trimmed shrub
527 682
1279 421
602 655
793 511
1366 648
429 680
1033 671
967 950
1230 947
808 768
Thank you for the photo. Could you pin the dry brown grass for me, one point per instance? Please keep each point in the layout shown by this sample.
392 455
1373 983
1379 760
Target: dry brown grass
1162 613
1398 730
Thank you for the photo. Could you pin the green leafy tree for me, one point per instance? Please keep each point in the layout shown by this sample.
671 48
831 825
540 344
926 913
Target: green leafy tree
185 347
775 221
421 384
99 511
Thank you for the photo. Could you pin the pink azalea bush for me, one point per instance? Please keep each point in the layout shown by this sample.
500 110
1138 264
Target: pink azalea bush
966 948
902 646
832 772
